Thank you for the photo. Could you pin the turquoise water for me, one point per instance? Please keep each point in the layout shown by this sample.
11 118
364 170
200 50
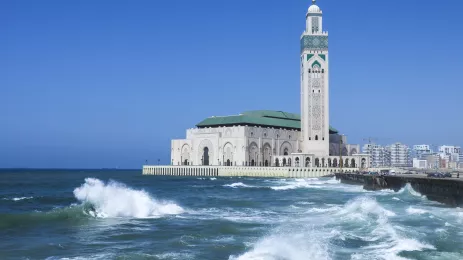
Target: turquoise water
61 214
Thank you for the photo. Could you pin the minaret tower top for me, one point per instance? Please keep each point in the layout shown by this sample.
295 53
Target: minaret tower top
314 20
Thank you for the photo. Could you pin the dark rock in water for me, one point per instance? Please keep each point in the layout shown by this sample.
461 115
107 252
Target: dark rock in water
446 190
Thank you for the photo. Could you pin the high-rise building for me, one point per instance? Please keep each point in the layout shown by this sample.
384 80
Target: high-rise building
379 155
400 155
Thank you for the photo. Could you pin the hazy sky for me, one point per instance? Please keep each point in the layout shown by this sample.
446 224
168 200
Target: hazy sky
109 83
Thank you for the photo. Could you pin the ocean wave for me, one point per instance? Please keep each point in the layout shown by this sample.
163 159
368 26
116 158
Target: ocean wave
415 211
71 214
114 200
18 198
316 233
408 190
238 185
291 246
303 183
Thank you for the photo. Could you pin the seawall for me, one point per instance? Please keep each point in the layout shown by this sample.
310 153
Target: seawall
237 171
445 190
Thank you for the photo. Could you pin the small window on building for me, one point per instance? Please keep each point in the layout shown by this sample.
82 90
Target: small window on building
323 70
289 137
316 138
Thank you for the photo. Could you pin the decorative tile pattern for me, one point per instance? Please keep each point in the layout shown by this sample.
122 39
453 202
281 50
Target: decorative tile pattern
309 56
314 42
323 56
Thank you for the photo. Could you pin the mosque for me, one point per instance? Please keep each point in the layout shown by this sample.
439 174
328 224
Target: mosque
275 138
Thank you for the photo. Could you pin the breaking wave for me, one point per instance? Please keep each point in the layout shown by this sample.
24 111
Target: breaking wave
408 190
238 185
114 200
317 234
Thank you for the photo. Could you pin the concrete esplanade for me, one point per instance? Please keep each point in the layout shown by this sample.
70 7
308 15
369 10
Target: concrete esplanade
224 171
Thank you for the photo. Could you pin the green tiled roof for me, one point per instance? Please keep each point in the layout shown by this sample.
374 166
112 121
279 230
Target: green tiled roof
264 118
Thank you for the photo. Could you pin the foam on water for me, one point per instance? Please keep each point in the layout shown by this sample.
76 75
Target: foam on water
238 185
314 234
117 200
415 211
293 246
408 189
18 199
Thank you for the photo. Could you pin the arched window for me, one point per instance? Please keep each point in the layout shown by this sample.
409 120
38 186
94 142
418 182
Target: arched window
352 163
317 162
205 158
289 162
284 162
277 162
316 138
307 162
286 151
253 163
266 163
297 161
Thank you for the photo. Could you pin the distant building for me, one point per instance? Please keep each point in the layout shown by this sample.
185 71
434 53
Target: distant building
379 155
400 155
420 151
420 164
449 155
433 161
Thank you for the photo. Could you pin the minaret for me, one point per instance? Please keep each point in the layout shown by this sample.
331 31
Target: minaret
314 85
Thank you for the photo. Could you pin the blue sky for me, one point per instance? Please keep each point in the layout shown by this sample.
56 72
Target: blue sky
109 83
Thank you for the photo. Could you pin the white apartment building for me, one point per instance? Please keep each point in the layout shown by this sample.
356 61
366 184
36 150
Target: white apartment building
420 164
421 151
400 155
379 155
450 153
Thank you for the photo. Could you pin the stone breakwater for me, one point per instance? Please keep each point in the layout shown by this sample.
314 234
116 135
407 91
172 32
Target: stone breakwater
446 190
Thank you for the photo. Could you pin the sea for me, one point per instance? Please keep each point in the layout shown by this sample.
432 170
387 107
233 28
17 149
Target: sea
120 214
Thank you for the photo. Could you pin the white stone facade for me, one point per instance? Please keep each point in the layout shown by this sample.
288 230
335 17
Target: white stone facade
256 146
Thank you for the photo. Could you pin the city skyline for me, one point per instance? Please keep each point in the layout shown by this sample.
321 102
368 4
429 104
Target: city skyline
98 92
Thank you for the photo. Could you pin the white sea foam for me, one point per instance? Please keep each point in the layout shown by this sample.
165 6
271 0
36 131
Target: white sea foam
415 211
304 183
18 198
287 246
238 185
408 189
114 199
213 179
395 198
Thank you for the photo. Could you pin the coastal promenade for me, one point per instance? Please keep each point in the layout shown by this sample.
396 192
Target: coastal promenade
237 171
444 190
